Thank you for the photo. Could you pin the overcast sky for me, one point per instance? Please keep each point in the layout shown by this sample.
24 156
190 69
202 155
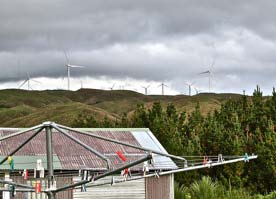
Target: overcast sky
137 43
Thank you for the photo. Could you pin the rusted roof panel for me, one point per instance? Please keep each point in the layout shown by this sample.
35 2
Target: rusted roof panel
73 156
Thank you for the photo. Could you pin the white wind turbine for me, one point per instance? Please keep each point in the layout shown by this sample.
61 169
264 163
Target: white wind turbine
209 72
28 81
111 88
68 67
190 86
197 90
163 87
146 89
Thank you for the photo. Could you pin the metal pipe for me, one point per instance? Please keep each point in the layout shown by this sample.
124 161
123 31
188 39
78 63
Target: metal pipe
49 149
173 171
119 142
23 144
21 132
16 184
118 181
18 190
149 156
84 145
207 165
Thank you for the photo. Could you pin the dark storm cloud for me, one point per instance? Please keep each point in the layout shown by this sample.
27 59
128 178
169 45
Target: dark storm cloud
151 40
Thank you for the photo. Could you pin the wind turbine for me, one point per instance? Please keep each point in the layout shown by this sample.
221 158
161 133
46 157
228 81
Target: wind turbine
190 85
163 85
122 87
197 90
28 80
111 88
69 66
146 89
209 72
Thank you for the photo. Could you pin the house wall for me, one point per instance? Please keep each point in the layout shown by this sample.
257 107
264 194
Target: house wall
160 188
145 188
61 181
125 190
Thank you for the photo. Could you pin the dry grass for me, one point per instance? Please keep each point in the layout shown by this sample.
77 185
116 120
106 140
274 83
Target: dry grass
19 108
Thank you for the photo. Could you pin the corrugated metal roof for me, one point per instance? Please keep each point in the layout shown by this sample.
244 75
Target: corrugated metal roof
73 156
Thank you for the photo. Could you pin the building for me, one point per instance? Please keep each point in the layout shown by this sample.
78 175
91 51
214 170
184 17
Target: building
71 161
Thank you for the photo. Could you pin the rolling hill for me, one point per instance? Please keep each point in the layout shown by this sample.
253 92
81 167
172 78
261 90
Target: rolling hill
21 108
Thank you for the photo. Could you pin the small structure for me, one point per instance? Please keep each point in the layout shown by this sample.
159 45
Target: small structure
55 161
70 160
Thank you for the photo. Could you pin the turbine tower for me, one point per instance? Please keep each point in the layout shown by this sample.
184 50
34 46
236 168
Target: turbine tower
190 85
209 72
146 89
163 86
69 66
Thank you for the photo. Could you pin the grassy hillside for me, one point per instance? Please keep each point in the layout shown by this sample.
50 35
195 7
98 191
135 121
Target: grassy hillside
21 108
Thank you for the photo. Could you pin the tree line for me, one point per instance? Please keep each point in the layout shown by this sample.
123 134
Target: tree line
244 125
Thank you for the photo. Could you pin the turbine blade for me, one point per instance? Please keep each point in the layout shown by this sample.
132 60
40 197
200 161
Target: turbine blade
75 66
22 84
35 81
66 57
205 72
214 62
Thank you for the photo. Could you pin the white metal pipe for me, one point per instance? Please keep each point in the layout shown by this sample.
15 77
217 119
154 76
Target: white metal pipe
21 132
208 165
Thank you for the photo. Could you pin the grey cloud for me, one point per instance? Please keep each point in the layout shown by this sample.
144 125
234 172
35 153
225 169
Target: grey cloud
151 40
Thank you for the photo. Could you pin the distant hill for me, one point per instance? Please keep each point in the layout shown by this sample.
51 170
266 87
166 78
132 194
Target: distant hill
21 108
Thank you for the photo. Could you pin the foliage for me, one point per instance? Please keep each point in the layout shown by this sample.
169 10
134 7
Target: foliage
208 188
244 125
204 189
181 192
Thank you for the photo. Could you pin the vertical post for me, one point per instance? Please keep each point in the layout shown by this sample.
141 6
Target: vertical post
6 194
50 168
209 81
68 76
